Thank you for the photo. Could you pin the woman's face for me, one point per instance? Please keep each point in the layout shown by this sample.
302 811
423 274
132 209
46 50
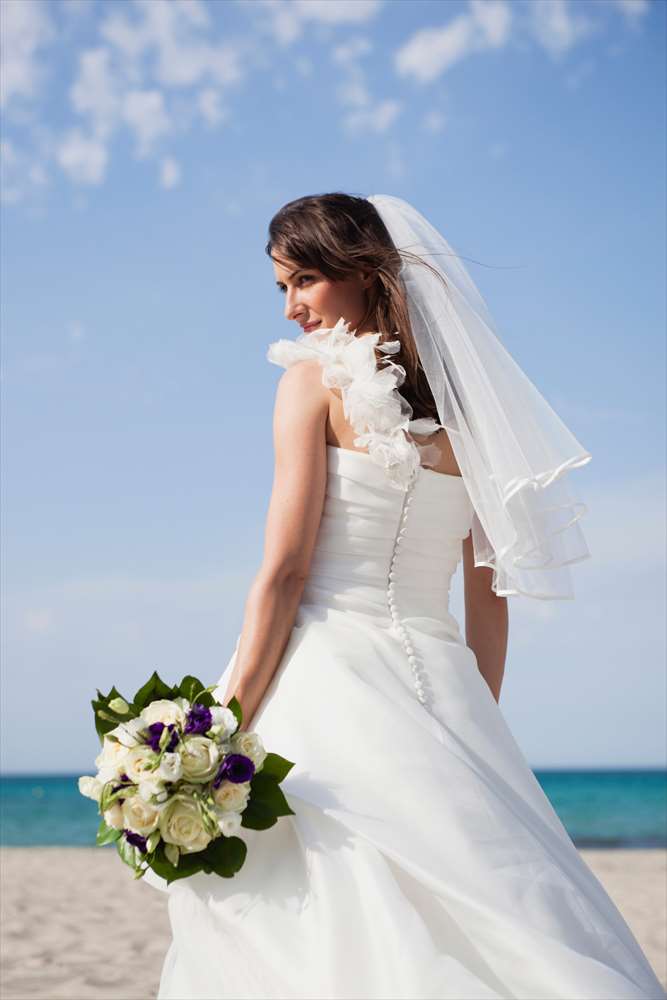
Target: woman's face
312 298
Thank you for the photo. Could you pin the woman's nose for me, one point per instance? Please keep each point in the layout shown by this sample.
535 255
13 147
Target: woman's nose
292 303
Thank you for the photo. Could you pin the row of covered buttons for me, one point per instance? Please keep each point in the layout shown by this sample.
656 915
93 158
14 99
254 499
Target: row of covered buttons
417 672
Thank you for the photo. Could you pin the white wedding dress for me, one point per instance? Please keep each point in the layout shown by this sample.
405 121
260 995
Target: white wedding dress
423 860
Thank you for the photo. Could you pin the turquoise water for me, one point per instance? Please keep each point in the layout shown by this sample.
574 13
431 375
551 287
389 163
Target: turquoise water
599 808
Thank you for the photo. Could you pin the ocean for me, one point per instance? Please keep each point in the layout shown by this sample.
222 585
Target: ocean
599 808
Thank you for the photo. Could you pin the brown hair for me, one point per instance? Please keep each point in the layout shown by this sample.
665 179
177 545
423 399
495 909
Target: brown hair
339 234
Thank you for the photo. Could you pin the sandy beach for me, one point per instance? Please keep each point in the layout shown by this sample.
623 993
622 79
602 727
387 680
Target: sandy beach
76 925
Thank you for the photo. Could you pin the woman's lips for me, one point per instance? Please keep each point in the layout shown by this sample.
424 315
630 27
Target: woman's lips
311 326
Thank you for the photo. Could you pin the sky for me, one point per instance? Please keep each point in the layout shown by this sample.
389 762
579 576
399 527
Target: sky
145 147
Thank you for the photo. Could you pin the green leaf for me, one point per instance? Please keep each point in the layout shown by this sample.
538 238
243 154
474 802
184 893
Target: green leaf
225 855
106 835
275 765
257 816
130 854
188 864
193 689
265 789
101 705
235 706
154 689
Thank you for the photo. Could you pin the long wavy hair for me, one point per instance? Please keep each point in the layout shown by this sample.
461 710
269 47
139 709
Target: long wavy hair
340 234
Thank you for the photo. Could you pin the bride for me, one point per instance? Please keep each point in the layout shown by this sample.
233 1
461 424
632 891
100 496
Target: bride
423 859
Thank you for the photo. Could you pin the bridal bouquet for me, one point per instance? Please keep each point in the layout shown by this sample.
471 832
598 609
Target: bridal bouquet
177 779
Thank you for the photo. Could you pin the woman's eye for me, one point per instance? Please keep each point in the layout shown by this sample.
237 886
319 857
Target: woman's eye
309 277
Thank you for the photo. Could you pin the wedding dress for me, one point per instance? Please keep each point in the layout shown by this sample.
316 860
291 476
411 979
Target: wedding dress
423 860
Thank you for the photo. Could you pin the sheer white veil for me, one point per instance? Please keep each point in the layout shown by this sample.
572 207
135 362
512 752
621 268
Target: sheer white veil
513 450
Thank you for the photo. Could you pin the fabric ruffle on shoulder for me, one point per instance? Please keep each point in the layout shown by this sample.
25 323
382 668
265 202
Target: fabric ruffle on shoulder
372 404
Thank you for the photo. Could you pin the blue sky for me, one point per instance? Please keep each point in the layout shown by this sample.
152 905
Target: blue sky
145 147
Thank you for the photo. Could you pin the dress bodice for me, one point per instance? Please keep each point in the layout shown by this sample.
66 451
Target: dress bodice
391 530
385 553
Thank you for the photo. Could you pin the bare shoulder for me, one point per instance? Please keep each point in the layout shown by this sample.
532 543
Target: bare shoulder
304 376
302 402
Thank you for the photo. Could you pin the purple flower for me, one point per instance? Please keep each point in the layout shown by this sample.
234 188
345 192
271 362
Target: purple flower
136 840
155 732
199 721
235 767
124 782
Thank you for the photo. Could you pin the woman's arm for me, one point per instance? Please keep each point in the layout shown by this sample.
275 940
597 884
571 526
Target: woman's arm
487 620
295 510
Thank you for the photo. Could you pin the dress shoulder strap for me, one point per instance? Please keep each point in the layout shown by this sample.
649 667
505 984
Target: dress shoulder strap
376 410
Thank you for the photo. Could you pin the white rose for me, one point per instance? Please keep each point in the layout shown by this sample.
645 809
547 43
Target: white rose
110 761
114 816
232 796
229 823
224 720
151 788
170 768
199 758
128 733
168 712
139 763
181 824
90 787
251 745
140 816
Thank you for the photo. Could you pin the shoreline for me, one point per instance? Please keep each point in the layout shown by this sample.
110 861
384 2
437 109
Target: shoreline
68 928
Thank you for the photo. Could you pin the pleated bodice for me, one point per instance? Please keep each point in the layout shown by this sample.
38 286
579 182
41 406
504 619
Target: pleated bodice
379 549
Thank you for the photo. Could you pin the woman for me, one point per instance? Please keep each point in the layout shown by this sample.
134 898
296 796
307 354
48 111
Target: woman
423 859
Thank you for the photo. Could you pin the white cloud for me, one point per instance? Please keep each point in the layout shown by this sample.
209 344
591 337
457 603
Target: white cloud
209 106
430 52
95 92
376 118
144 111
288 18
340 12
26 28
156 67
365 114
77 8
177 33
83 158
170 173
633 10
558 26
493 17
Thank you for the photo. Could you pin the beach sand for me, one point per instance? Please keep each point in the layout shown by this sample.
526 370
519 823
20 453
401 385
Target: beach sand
76 925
